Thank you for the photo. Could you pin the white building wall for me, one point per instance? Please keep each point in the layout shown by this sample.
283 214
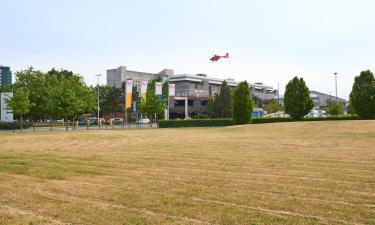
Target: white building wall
6 114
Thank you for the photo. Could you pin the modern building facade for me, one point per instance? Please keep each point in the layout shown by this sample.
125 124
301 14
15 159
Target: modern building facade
5 76
197 89
117 77
321 100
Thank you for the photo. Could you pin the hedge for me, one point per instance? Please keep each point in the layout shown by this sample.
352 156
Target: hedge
289 119
14 125
195 123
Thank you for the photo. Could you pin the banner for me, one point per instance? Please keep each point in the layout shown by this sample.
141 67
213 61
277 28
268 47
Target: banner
158 88
5 112
129 91
172 90
144 90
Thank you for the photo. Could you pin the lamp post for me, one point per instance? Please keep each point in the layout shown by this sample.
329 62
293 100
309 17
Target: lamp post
335 84
98 76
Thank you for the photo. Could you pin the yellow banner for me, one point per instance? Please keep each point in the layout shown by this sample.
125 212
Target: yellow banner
128 102
143 97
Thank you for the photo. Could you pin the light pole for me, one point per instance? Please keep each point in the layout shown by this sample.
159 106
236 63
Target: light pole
98 76
335 84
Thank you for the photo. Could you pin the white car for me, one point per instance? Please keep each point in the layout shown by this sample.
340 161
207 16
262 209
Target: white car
144 121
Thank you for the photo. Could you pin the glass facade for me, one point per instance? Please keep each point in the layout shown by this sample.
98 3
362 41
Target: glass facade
5 76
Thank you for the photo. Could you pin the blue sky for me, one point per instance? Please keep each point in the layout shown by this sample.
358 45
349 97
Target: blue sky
269 41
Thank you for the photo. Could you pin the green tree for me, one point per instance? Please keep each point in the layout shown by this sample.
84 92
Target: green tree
272 106
20 103
109 99
362 97
154 105
335 108
220 106
297 101
242 104
35 84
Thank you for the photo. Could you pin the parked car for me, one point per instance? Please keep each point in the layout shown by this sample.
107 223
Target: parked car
117 121
144 121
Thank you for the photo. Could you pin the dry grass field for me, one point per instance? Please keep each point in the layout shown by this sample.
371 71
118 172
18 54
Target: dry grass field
286 173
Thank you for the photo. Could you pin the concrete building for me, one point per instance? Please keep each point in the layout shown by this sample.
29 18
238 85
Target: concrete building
194 91
5 76
117 77
321 100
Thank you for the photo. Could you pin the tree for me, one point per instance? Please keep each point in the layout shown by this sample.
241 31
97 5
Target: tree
335 108
272 106
220 106
35 84
362 97
20 103
109 99
297 101
242 104
154 105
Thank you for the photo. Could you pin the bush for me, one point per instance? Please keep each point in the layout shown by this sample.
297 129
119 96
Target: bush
14 125
195 123
289 119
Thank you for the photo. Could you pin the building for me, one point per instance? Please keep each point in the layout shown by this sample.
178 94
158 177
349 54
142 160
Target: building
5 79
193 92
5 76
117 77
322 101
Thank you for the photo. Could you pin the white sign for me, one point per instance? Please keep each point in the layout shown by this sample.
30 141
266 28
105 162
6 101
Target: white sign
144 87
172 90
129 86
158 88
6 113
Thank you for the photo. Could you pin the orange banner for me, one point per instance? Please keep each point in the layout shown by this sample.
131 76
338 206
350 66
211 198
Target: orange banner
128 102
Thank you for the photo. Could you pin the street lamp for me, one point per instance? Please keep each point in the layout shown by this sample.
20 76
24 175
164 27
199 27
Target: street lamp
335 84
98 76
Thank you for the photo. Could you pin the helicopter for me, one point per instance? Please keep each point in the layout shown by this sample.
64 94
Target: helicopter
216 58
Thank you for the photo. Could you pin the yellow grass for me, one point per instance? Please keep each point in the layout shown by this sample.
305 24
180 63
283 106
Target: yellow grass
286 173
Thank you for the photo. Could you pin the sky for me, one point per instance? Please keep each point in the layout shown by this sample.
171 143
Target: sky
269 41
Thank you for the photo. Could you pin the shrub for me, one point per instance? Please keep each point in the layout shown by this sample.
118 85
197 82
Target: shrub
14 125
289 119
195 123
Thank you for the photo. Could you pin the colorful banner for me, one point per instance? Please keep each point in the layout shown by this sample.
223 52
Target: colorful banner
144 90
172 90
158 88
129 91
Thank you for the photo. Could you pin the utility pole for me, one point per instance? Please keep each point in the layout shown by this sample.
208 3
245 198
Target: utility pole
335 84
98 76
278 94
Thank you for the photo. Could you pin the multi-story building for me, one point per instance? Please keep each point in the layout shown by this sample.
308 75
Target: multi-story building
193 92
117 77
5 76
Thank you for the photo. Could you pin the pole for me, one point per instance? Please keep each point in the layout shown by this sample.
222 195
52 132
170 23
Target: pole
98 76
336 85
278 94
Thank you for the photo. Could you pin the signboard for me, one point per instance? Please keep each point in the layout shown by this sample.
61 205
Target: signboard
129 91
6 113
143 90
158 88
172 90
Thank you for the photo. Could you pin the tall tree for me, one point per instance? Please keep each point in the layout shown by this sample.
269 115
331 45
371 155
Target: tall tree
154 105
109 99
34 83
362 97
297 101
220 105
20 103
242 104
